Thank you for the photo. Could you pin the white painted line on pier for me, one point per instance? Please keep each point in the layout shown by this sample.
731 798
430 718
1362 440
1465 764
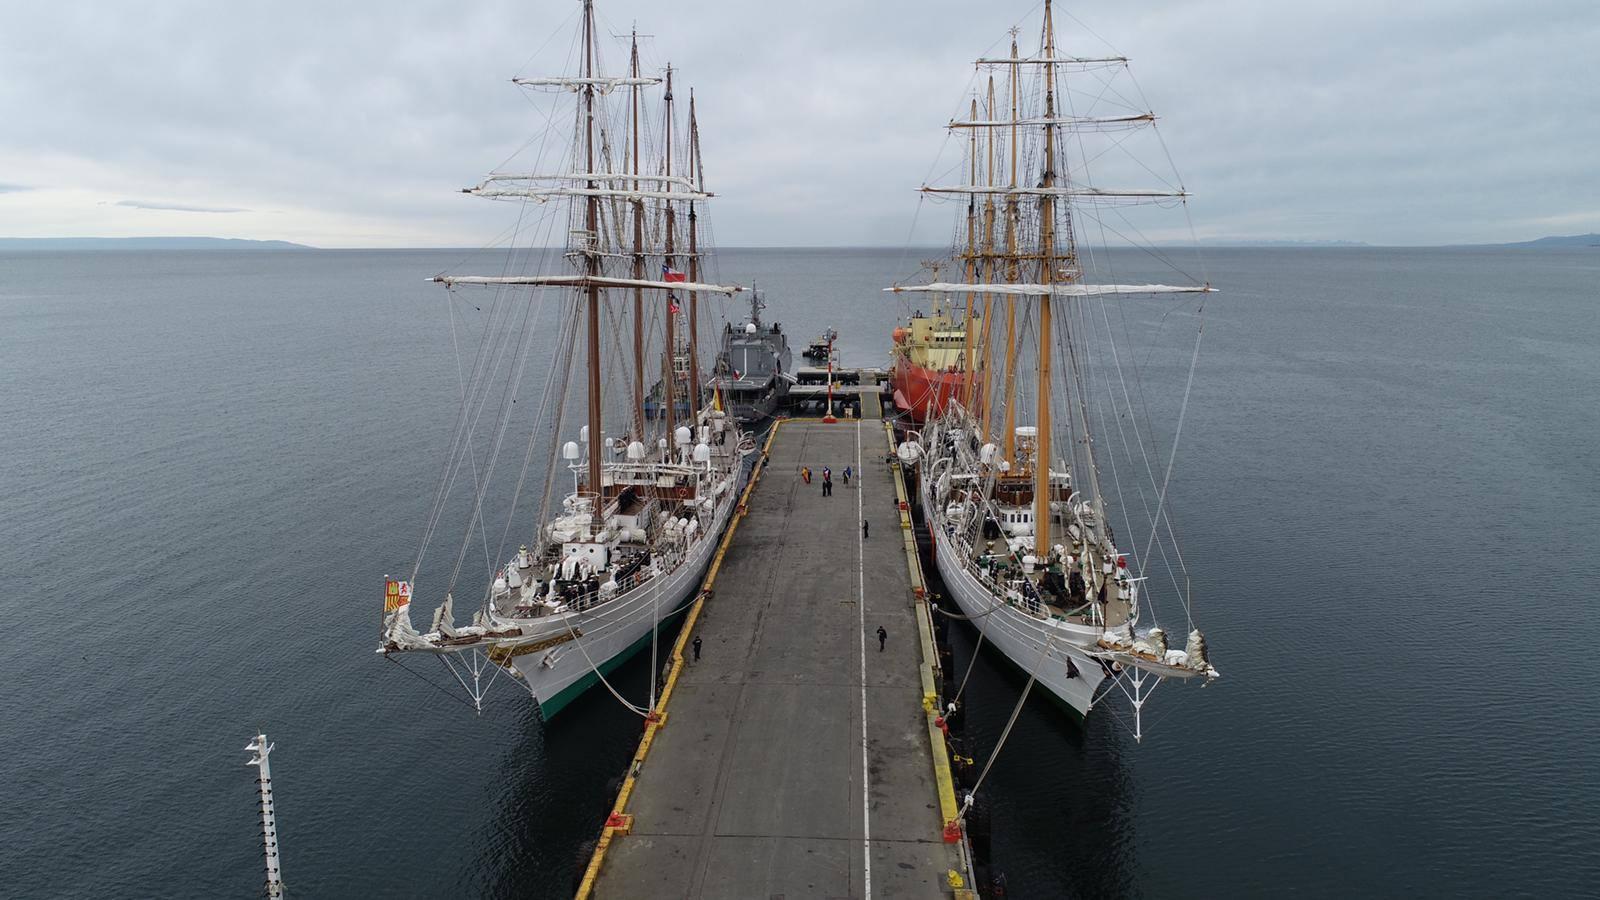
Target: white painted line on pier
861 609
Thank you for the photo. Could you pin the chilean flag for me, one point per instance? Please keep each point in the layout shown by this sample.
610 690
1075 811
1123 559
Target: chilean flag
669 274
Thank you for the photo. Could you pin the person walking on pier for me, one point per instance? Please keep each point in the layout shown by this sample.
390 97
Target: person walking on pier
866 529
805 474
827 482
846 476
883 638
697 648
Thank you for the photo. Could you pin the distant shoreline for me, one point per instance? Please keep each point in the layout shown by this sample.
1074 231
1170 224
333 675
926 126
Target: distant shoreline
208 243
145 243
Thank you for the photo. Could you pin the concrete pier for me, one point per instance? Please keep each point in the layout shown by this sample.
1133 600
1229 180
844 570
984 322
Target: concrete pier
795 758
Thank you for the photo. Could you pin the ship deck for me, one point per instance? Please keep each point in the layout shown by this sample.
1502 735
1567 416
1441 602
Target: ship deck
796 758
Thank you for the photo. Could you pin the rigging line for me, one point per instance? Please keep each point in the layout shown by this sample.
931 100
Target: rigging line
1156 519
598 674
462 431
428 682
574 312
1155 522
453 459
530 313
463 428
527 456
559 30
1147 420
1177 433
518 349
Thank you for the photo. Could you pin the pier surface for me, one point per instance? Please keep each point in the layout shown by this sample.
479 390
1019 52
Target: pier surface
796 759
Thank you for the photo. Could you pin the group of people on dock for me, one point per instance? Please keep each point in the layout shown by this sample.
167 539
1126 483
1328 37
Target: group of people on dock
827 478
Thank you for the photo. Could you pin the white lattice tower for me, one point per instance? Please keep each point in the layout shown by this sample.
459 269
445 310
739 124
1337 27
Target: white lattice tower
269 825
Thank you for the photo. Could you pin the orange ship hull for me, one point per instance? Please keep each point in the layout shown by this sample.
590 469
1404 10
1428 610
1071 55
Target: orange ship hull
922 393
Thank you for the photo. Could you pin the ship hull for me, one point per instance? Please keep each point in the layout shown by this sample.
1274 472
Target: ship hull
1035 646
752 405
922 393
575 653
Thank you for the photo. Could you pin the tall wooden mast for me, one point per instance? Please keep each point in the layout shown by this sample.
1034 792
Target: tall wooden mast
638 256
669 385
694 267
1047 276
1010 395
984 354
972 264
592 240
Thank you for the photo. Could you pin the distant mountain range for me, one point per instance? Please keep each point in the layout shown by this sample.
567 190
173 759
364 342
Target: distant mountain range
1571 240
1246 242
145 243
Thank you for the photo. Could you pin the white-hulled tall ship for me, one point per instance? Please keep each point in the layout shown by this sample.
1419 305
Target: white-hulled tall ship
1009 472
609 563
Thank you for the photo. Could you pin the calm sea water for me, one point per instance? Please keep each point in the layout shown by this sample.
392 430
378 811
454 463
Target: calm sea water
1387 494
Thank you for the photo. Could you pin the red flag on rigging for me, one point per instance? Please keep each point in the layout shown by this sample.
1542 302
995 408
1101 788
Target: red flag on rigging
669 274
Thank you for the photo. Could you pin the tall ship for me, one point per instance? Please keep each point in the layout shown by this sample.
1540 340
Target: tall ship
597 570
1023 466
754 367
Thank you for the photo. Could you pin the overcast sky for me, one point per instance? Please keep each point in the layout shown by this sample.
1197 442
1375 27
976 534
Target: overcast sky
353 124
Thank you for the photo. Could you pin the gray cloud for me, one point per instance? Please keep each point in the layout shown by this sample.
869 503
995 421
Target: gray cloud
179 207
1435 121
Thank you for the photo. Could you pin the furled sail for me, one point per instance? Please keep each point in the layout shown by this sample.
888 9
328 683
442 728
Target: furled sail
1068 121
542 194
589 176
1056 192
1053 290
601 84
589 281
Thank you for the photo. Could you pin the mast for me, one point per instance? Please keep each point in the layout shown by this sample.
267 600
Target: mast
669 386
1047 275
1010 396
592 225
972 266
638 254
694 267
984 354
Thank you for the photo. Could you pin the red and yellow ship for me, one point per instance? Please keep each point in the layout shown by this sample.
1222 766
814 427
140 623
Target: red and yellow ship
930 363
